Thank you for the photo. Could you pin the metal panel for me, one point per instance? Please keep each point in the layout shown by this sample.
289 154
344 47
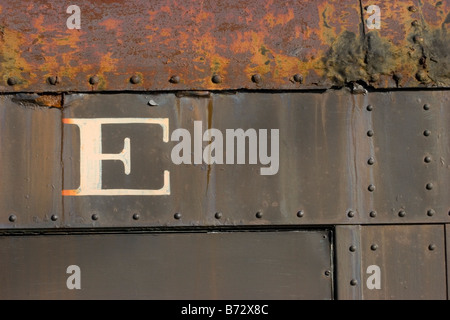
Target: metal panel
447 246
324 175
411 45
411 260
236 265
348 262
30 162
172 45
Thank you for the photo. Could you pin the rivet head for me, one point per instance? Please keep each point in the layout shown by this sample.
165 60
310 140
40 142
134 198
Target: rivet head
259 214
218 215
54 217
401 213
430 213
12 81
422 76
418 39
373 214
256 78
371 161
300 214
177 216
52 80
397 77
371 188
298 78
353 282
94 80
135 79
429 186
412 8
216 79
327 273
415 23
370 133
426 107
374 247
174 79
369 107
427 159
352 248
351 214
136 216
12 218
427 133
432 247
94 217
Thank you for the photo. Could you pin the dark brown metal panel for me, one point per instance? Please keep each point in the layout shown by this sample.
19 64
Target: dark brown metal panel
411 151
348 252
411 261
340 161
236 265
30 162
447 246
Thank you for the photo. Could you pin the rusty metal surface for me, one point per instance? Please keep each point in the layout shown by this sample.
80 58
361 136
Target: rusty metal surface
348 253
411 259
235 265
324 173
30 163
172 45
411 47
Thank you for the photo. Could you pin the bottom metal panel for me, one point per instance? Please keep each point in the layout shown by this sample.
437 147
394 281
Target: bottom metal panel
409 262
233 265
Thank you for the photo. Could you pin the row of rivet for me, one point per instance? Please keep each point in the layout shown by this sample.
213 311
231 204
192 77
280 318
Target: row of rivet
136 79
259 215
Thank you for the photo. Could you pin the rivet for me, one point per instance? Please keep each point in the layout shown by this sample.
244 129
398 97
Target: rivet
431 247
418 39
412 8
397 77
135 79
177 216
422 76
426 107
54 217
12 81
415 23
259 214
374 247
427 133
369 107
256 78
351 214
218 215
300 214
430 213
93 80
52 80
352 248
327 273
12 218
353 282
371 161
373 214
371 188
427 159
216 78
429 186
298 78
94 217
136 216
370 133
174 79
324 236
401 213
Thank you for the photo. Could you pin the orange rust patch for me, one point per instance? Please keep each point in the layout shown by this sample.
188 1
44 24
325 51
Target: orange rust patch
50 101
